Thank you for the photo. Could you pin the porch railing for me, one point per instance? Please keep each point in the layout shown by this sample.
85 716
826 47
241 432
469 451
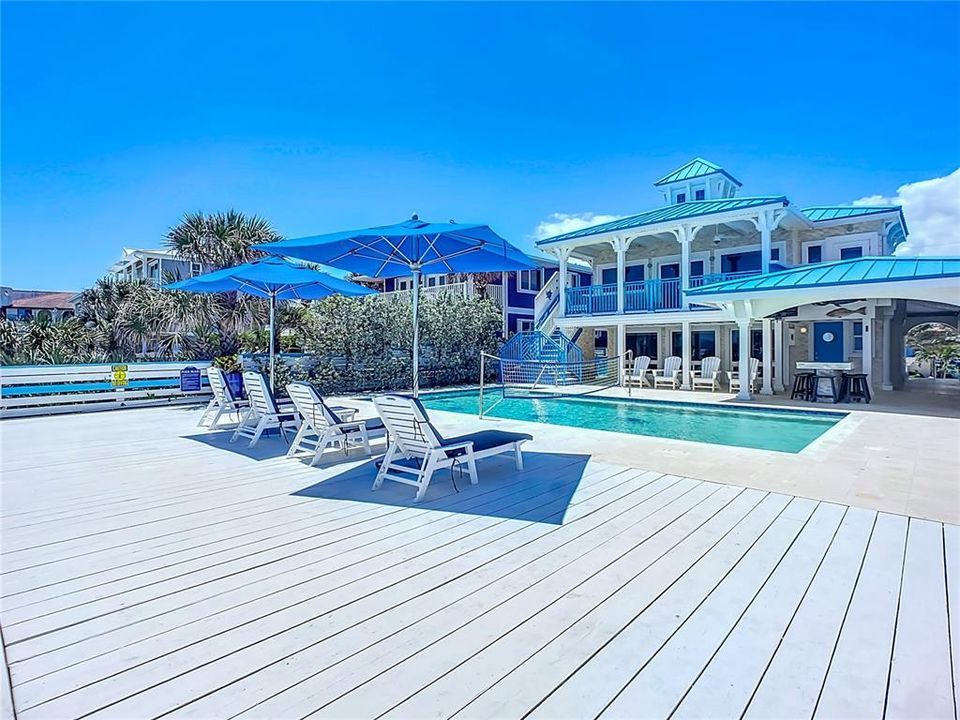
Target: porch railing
494 293
655 295
463 289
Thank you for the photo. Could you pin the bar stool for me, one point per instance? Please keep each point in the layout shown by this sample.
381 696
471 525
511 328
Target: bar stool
834 393
802 386
857 388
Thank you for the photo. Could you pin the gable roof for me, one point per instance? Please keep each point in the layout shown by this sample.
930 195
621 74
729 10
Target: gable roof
841 272
822 213
45 301
698 167
667 213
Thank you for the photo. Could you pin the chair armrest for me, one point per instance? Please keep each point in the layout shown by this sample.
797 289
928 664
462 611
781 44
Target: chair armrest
466 445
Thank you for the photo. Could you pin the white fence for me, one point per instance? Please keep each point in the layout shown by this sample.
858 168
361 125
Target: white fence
48 389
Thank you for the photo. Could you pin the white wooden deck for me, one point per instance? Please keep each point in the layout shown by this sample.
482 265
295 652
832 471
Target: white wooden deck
151 570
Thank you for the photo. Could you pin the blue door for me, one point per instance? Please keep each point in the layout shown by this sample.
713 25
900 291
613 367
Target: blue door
828 342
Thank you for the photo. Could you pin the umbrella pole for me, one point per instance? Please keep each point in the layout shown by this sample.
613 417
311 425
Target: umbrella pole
416 332
273 302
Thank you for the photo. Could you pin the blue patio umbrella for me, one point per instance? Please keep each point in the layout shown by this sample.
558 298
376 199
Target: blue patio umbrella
412 248
273 278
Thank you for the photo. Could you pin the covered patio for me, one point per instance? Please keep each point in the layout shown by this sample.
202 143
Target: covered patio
878 292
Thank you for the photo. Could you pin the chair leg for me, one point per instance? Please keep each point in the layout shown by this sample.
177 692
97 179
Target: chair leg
261 426
206 411
323 442
216 418
518 455
426 473
297 439
384 464
366 440
472 467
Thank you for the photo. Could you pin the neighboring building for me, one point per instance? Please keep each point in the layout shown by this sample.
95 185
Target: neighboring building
644 266
29 304
515 293
154 265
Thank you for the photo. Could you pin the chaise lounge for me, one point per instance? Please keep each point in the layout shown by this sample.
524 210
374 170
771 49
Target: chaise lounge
414 438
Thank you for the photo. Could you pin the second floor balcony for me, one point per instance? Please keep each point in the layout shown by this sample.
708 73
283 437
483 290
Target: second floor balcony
655 295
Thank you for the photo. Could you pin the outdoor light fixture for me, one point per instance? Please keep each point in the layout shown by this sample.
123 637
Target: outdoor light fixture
803 329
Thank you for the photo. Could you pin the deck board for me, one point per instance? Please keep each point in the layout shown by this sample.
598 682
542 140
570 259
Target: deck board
150 568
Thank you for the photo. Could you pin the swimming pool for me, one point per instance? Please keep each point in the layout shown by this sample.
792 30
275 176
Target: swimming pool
780 430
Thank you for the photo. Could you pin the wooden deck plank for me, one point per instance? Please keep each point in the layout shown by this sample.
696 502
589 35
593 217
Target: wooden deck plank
151 567
792 682
286 628
951 546
921 682
856 681
543 674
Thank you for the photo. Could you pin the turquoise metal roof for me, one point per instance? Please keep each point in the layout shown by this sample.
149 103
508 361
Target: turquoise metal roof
682 211
841 212
698 167
842 272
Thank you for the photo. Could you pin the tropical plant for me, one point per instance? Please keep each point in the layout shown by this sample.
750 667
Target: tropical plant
228 363
938 343
220 239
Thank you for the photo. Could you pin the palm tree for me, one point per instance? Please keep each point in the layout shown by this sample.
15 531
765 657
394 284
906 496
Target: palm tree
220 239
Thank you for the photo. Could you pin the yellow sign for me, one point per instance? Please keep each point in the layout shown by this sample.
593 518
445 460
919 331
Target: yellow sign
119 375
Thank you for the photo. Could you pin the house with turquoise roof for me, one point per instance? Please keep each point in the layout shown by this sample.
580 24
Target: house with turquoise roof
655 273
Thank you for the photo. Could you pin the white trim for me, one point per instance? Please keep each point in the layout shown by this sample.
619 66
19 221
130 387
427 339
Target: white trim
525 291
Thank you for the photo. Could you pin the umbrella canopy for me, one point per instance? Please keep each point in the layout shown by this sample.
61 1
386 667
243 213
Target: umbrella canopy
412 247
275 279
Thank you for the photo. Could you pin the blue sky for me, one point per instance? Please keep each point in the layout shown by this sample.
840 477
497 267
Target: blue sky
117 118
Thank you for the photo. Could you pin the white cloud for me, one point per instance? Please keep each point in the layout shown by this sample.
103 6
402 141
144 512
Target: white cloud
560 223
932 211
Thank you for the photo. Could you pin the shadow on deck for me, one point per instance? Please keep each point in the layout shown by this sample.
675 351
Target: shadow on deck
541 492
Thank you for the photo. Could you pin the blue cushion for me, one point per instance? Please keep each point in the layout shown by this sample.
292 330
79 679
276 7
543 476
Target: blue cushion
373 423
484 440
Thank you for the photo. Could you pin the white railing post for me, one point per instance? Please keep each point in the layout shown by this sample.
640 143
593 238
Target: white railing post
562 282
685 237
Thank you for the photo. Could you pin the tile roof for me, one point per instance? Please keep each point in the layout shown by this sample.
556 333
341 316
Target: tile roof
46 301
698 167
681 211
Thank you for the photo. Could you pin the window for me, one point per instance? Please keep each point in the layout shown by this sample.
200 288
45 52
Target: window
573 279
681 198
632 273
858 337
703 343
195 269
756 344
524 325
851 253
699 194
403 284
696 268
814 253
530 281
608 276
774 254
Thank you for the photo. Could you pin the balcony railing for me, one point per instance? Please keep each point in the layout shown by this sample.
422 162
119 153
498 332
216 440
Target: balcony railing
464 289
645 296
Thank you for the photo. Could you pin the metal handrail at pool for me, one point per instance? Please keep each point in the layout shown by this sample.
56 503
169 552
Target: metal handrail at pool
49 389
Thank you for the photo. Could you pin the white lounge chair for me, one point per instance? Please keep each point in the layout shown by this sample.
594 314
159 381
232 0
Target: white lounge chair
638 375
754 371
669 374
264 413
223 401
708 375
322 426
413 438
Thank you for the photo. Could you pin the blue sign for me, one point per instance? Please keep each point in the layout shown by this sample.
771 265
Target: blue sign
190 379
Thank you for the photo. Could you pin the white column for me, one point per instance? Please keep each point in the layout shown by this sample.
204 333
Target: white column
886 350
504 280
621 252
686 382
621 346
779 357
765 249
767 388
562 285
743 368
685 240
868 349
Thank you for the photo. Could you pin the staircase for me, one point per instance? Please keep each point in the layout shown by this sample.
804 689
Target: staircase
535 347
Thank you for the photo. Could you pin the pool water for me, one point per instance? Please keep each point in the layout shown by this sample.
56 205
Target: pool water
780 430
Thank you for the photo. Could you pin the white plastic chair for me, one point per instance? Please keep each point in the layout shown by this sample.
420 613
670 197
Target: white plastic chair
223 401
263 413
322 426
638 375
708 375
413 437
670 374
754 371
